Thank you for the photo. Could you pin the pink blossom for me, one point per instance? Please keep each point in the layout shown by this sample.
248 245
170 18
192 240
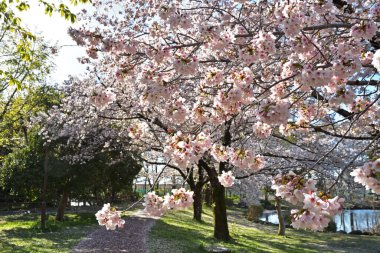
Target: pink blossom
101 99
367 176
109 217
154 205
376 60
226 179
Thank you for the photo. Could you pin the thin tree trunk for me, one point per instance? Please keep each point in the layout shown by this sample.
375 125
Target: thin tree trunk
281 222
62 205
198 198
197 204
198 201
44 189
208 195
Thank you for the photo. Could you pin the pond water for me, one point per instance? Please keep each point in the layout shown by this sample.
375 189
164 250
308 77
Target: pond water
349 220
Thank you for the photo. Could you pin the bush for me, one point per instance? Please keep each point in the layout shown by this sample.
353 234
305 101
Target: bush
267 204
331 227
233 200
254 212
376 229
229 202
287 217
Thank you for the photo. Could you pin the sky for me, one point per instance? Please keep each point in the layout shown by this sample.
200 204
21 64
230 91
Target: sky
54 30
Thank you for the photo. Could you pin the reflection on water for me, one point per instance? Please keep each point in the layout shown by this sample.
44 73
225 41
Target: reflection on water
362 220
349 220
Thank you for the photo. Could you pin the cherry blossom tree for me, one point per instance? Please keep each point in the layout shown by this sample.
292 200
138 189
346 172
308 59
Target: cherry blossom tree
209 83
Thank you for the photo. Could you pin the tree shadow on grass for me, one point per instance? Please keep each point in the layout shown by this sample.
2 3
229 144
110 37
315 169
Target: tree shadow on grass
167 237
22 234
177 233
21 239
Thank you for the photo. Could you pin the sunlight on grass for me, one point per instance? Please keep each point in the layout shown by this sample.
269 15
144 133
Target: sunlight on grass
177 232
21 233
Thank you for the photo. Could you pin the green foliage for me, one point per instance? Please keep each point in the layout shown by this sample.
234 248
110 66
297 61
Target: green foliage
232 200
20 57
21 148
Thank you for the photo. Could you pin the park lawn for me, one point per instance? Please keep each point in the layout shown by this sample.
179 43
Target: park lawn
21 233
177 232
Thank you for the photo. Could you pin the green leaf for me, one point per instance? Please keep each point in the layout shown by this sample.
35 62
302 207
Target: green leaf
73 18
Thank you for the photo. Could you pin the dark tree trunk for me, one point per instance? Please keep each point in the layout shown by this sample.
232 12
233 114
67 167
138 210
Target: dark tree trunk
208 195
198 198
281 222
62 205
221 231
196 187
197 202
44 190
113 195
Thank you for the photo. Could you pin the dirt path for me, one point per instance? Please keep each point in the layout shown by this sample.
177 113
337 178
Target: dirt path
132 238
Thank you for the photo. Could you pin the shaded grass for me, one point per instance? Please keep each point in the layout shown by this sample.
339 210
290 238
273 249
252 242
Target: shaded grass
177 232
21 233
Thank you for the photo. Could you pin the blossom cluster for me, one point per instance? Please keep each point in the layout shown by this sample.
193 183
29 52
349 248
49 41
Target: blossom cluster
179 199
157 206
292 187
241 158
185 149
317 209
185 65
102 98
260 49
154 204
262 130
368 176
316 212
364 30
226 179
109 217
316 78
246 159
274 113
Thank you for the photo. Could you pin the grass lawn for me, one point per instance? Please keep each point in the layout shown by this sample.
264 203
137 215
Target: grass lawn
177 232
21 233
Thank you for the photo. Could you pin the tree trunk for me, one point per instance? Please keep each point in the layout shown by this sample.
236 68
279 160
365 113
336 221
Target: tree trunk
197 202
208 195
62 205
198 198
281 222
113 195
44 190
221 231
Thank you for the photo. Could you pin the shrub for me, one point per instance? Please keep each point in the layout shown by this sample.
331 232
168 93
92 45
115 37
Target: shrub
331 227
254 212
